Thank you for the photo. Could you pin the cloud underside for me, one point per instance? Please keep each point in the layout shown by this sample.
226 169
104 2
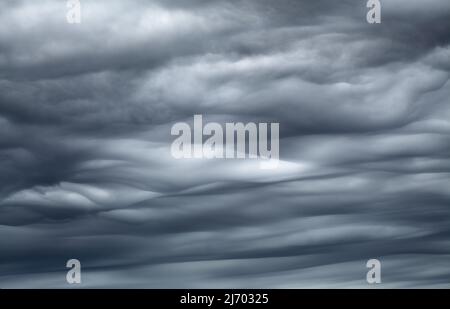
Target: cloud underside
86 171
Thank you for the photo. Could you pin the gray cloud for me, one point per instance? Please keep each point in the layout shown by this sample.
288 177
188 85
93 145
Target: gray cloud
86 170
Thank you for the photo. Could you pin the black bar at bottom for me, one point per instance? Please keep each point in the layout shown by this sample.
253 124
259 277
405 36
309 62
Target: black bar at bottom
198 298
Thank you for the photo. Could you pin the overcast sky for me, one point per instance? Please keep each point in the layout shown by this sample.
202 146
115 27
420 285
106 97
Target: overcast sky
86 171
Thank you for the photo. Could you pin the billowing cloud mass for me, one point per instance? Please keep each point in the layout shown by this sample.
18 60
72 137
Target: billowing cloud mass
86 171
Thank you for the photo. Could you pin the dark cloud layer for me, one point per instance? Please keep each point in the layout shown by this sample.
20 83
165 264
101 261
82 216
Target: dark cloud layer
86 171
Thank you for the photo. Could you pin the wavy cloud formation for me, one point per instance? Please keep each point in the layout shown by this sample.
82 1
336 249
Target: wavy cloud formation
86 170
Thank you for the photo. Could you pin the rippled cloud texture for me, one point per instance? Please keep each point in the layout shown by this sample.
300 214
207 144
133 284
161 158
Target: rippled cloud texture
86 171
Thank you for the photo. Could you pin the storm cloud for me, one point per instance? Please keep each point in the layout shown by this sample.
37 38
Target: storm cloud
86 170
